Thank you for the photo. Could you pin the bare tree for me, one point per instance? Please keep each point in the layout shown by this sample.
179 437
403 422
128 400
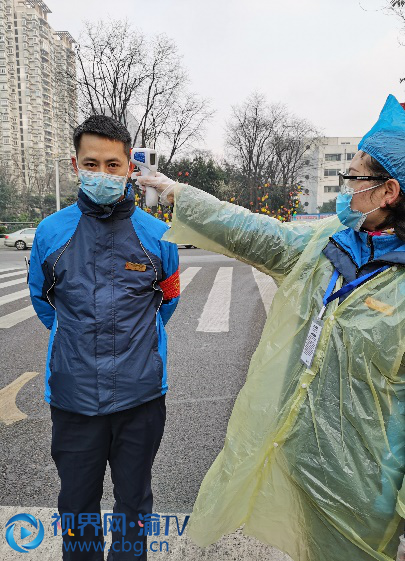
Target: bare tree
396 7
267 144
292 141
164 83
249 133
111 68
185 123
123 75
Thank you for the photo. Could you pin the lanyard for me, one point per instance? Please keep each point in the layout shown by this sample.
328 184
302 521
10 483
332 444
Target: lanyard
329 297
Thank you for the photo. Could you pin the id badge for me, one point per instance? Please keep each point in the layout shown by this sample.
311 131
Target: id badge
311 342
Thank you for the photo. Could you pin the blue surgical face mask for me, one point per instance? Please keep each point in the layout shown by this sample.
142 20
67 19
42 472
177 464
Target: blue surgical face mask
348 217
102 188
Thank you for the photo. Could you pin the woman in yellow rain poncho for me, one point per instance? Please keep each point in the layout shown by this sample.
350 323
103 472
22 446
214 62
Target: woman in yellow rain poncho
313 461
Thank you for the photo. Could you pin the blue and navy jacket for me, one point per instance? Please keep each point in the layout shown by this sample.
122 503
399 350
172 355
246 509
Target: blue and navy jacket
105 285
355 254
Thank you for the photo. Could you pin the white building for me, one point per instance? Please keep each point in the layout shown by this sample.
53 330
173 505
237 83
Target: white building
38 104
320 179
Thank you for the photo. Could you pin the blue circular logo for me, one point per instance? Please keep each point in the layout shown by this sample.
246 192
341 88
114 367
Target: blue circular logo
37 524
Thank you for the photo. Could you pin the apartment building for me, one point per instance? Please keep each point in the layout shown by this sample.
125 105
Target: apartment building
325 160
38 104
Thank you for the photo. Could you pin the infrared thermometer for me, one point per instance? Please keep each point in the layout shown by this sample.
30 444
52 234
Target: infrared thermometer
146 159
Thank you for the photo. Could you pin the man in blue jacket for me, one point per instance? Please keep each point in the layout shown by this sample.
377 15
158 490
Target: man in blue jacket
105 285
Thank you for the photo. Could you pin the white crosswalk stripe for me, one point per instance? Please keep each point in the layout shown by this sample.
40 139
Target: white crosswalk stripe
13 282
14 274
10 320
215 314
267 288
12 269
14 296
187 276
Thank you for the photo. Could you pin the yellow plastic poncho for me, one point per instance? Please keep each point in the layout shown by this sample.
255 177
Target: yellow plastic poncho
310 462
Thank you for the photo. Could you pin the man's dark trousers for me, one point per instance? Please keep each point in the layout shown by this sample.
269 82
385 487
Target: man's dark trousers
81 447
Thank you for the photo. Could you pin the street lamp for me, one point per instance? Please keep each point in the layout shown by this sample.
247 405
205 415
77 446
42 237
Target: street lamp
57 160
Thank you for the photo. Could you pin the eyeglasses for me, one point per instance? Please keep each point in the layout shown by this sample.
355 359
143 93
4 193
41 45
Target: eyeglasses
347 187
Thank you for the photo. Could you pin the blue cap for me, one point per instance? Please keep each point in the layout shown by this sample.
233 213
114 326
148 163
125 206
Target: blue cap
386 140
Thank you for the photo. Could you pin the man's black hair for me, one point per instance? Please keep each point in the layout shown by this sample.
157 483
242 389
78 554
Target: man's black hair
103 126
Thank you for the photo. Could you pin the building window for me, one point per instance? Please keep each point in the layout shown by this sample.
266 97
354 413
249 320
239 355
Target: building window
350 155
333 157
331 189
331 172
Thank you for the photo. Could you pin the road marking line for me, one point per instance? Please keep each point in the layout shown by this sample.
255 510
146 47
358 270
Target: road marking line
187 276
12 269
215 316
10 320
9 412
6 275
14 296
13 282
267 288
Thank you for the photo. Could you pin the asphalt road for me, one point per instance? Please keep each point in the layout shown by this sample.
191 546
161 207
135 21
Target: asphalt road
205 372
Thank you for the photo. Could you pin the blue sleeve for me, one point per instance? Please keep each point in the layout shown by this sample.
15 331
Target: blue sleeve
38 287
171 283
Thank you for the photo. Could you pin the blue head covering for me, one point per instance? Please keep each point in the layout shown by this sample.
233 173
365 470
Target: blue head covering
386 140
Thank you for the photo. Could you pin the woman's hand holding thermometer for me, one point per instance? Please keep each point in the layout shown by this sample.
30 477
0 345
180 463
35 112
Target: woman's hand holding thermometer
162 186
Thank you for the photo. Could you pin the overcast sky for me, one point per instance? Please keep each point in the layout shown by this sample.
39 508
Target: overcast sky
331 61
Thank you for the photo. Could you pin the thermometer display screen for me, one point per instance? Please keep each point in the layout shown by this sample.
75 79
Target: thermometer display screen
140 157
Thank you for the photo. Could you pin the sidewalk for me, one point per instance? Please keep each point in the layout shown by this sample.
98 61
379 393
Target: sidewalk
235 547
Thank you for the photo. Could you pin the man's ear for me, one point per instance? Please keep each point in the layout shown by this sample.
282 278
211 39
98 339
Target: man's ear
74 164
130 169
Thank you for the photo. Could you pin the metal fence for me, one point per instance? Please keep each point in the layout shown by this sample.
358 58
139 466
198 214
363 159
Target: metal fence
9 227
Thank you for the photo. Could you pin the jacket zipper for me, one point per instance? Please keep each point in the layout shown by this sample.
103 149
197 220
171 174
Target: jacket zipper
370 245
53 272
53 284
113 304
336 244
156 277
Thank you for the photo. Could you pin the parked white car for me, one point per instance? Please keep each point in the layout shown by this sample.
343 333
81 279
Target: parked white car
21 239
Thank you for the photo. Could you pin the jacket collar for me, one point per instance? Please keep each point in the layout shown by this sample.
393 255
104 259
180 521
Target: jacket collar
119 211
362 247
